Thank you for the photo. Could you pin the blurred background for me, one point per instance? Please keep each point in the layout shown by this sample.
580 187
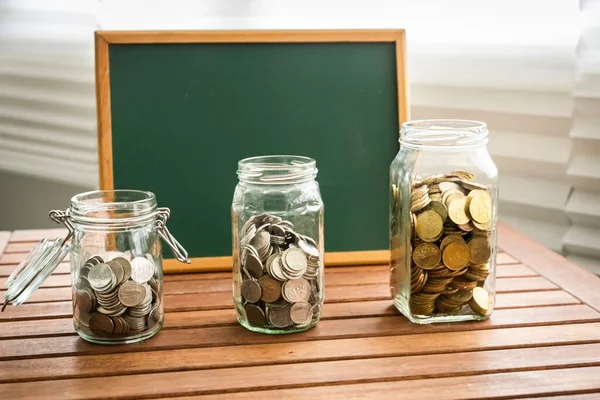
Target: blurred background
529 68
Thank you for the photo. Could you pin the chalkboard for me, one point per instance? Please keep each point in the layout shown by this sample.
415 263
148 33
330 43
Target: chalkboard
178 110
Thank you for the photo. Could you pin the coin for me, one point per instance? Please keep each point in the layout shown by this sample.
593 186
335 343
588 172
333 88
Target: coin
101 324
141 269
255 315
457 211
117 269
429 225
253 265
301 313
84 300
309 249
449 239
124 263
480 250
280 318
480 302
132 294
439 208
295 260
480 207
271 289
456 255
101 277
251 291
296 290
427 255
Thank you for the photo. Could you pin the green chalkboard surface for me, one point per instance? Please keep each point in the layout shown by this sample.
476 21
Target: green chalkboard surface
183 114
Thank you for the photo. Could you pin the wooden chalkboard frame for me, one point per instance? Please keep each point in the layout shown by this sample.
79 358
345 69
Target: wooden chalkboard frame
104 38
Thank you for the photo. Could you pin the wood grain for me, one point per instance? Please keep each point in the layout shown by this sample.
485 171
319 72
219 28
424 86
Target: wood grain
230 335
6 270
35 235
103 111
63 325
278 353
576 280
303 374
485 386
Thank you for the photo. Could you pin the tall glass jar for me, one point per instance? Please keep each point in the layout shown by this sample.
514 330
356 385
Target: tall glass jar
277 226
443 216
116 265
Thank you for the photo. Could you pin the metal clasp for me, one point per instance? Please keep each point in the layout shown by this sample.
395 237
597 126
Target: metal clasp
162 214
60 216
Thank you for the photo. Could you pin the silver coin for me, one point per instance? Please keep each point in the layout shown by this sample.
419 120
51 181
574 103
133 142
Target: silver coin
141 269
253 266
296 290
132 294
251 291
117 270
261 241
124 263
277 268
295 259
101 277
280 318
301 313
308 248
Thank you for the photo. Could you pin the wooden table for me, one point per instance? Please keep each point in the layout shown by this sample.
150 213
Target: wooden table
542 340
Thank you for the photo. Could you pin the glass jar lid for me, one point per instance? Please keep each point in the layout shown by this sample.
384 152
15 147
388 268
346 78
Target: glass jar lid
38 265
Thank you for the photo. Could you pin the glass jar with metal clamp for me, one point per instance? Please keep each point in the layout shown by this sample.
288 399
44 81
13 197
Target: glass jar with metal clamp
116 264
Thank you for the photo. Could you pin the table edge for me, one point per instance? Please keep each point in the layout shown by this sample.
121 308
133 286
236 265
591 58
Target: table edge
569 276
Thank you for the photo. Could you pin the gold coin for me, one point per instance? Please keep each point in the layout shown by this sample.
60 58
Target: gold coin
480 250
451 195
427 255
475 192
480 302
463 283
449 239
456 255
466 175
481 208
439 208
484 227
457 211
429 225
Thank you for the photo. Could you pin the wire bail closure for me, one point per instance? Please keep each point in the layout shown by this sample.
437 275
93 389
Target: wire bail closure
162 214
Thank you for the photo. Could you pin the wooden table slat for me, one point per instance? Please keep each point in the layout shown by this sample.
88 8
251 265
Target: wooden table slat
278 353
309 374
485 386
572 278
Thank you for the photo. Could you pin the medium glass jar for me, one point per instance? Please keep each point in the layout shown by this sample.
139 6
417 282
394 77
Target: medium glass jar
277 226
443 216
116 265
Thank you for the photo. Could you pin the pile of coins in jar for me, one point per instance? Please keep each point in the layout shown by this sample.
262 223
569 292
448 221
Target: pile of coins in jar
279 271
117 298
450 218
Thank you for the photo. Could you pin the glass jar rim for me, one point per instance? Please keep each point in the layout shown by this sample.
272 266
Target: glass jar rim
277 169
443 134
113 206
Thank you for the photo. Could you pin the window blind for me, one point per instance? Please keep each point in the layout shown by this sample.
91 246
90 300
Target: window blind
503 62
47 101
